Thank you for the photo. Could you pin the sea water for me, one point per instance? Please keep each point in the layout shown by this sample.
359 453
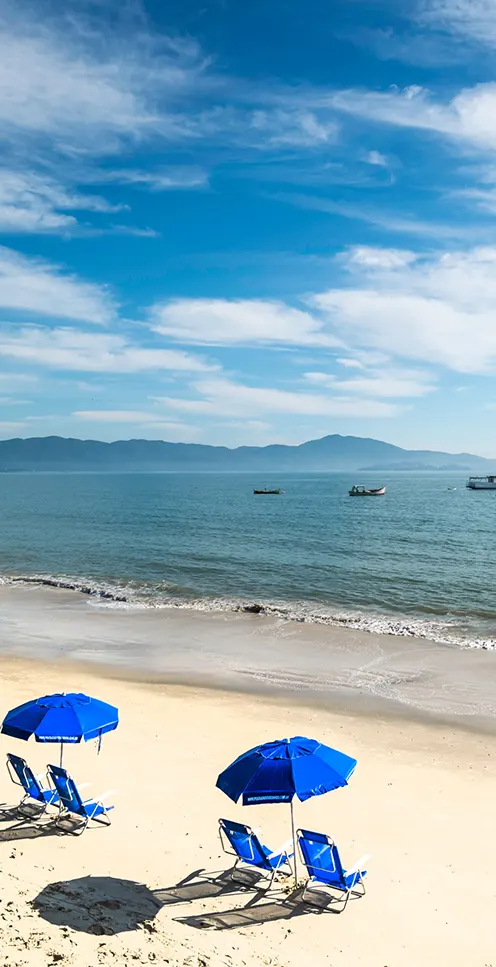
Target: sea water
419 561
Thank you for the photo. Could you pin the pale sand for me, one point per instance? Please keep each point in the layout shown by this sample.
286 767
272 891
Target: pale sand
422 802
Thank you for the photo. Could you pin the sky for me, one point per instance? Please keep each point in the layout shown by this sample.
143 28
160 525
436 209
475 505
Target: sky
249 223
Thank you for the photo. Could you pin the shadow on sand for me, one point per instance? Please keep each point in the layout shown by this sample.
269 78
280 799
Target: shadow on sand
252 914
101 905
108 905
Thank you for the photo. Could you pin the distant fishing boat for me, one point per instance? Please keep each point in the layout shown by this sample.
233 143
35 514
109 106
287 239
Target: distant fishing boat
367 491
265 491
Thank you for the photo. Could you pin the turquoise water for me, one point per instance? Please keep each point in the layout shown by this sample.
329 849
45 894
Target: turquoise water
418 561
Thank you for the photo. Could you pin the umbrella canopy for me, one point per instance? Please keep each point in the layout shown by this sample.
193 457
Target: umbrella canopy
278 771
61 718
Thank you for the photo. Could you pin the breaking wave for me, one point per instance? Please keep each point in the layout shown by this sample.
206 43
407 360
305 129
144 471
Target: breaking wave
133 595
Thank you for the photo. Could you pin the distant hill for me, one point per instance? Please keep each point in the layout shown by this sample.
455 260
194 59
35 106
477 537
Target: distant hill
333 452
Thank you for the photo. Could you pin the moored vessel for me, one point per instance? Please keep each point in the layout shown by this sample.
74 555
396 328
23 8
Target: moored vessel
367 491
482 483
266 491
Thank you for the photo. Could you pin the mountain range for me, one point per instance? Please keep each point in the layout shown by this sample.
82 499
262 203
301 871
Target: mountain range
332 452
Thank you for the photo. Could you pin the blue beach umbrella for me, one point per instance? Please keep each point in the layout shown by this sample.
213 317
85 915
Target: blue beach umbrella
278 771
61 718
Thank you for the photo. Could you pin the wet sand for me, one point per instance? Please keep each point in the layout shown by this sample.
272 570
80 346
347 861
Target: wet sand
255 653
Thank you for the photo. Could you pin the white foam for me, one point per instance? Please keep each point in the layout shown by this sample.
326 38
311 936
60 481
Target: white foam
135 596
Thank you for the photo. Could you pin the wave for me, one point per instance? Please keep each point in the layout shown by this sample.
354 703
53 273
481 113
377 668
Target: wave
141 596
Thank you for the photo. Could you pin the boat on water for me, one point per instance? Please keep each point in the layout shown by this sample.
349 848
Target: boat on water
367 491
482 483
265 491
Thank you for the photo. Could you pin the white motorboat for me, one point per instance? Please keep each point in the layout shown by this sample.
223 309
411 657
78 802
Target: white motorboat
482 483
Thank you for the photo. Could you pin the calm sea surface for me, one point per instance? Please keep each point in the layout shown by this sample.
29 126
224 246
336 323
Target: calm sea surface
419 560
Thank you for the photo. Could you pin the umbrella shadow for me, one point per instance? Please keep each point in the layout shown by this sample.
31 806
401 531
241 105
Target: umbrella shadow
252 914
99 905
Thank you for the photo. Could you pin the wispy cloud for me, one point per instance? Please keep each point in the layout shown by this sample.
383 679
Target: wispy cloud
157 179
394 222
390 383
221 396
468 19
227 322
467 117
32 203
74 350
39 287
437 309
173 430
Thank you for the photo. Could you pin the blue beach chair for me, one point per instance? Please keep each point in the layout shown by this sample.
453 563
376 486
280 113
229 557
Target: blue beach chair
36 798
250 852
321 858
72 803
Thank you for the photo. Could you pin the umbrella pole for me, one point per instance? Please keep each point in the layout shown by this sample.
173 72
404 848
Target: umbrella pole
61 753
294 844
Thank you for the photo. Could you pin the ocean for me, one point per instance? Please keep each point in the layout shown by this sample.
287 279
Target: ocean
419 561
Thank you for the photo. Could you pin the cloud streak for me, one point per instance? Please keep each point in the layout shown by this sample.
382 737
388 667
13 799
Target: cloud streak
78 351
41 288
239 322
221 396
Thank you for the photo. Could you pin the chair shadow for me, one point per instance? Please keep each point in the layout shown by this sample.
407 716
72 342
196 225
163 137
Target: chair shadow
252 914
99 905
106 905
23 829
201 885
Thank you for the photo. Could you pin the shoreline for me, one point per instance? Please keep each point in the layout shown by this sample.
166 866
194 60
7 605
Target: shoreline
442 629
313 666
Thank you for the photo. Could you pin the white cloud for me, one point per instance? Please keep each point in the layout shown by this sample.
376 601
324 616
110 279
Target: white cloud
439 309
158 179
350 363
391 221
471 19
376 158
93 352
30 202
292 128
468 117
388 383
6 426
39 287
238 322
59 77
383 258
221 396
175 430
12 382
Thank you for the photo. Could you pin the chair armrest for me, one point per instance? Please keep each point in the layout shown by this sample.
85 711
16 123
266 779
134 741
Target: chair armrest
357 868
283 849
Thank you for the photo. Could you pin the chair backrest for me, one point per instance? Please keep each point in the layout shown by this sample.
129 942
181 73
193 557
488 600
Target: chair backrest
321 857
25 776
66 788
244 842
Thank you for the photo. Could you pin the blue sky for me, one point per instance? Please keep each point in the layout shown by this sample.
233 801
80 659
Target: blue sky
245 223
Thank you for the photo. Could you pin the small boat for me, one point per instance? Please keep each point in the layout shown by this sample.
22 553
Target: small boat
450 488
265 491
482 483
367 492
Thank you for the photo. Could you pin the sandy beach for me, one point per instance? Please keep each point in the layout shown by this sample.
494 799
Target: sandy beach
152 887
